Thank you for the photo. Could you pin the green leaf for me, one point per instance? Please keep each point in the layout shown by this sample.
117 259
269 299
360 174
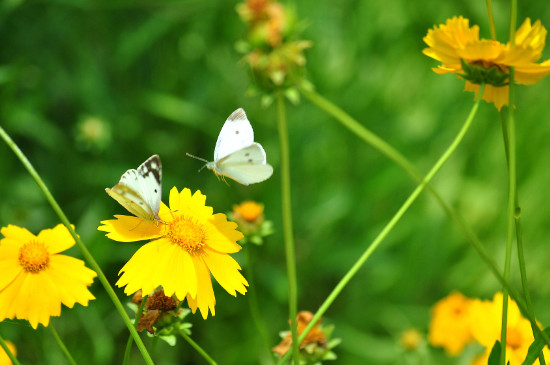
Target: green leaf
494 357
535 349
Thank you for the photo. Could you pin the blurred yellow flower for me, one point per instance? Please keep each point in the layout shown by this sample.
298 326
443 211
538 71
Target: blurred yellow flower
35 279
458 47
485 320
189 244
449 327
4 358
249 211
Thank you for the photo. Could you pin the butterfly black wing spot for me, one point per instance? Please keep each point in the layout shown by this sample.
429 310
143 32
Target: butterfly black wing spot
236 132
140 203
247 154
155 190
250 160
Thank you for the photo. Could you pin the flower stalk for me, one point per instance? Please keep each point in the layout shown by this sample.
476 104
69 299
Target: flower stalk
87 255
394 155
8 352
391 224
287 226
130 339
196 346
61 344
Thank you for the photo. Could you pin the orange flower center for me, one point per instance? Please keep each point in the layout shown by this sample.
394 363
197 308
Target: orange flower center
34 257
513 338
250 211
187 233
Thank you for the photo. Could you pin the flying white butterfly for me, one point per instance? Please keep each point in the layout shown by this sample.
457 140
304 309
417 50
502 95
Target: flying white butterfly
236 155
139 191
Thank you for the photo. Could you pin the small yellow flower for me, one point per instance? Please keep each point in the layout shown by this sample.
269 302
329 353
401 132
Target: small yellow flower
35 279
458 47
249 211
449 327
485 320
4 358
249 216
189 244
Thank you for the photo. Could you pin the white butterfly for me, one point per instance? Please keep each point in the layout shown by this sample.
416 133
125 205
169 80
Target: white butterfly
139 191
236 155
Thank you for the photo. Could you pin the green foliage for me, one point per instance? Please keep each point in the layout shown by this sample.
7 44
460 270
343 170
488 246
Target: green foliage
161 76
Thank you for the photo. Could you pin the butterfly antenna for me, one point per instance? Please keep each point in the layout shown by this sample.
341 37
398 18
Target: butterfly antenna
196 158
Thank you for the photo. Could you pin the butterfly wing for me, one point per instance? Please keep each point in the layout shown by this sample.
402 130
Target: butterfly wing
246 166
139 191
236 134
150 182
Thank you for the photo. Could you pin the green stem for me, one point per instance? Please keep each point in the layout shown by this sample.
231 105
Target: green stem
196 346
253 303
12 357
513 19
136 322
519 237
391 224
376 142
87 255
287 225
61 344
491 20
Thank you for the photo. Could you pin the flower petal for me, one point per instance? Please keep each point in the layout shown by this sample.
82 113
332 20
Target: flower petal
57 239
491 94
159 263
17 233
130 229
205 294
226 271
222 235
72 278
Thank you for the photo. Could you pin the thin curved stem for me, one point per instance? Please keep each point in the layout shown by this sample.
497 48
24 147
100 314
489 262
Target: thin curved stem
12 357
391 224
196 346
61 344
382 146
136 322
287 225
491 20
519 237
87 255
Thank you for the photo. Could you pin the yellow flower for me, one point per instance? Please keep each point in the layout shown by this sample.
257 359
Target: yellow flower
35 279
249 211
485 319
189 244
458 47
4 358
449 327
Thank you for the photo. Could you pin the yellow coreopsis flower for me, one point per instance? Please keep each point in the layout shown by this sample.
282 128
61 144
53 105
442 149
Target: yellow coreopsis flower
35 279
458 47
485 321
449 327
189 243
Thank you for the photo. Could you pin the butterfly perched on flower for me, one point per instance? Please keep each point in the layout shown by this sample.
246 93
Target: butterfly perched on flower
139 190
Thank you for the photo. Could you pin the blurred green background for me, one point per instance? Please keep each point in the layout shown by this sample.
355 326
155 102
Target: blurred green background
90 88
